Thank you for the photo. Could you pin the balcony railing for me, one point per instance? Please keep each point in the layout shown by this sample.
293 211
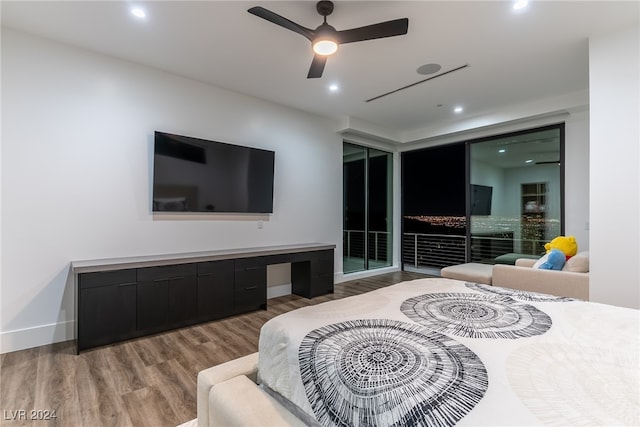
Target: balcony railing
442 250
378 245
433 250
430 250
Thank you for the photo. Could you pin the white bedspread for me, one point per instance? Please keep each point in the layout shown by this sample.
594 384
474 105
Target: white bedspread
442 352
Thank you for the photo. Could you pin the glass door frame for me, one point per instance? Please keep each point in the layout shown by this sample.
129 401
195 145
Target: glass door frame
367 210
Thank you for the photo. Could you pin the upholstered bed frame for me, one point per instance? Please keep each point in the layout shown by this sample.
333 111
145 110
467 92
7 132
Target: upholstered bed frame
434 349
229 396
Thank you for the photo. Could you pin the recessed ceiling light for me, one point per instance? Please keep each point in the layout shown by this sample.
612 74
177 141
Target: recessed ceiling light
529 161
138 12
502 150
334 87
520 4
457 110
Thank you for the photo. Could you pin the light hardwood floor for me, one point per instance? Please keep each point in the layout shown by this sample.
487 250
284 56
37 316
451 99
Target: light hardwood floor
148 381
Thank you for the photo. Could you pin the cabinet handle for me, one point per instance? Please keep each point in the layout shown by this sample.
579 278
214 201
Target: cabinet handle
205 274
164 279
250 288
251 268
127 284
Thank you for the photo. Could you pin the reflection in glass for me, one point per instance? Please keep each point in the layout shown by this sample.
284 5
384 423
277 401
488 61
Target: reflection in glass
490 200
519 176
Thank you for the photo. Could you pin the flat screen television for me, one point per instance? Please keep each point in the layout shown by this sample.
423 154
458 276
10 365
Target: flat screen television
481 199
198 175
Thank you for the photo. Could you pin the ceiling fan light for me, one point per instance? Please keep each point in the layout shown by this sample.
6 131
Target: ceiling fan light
325 47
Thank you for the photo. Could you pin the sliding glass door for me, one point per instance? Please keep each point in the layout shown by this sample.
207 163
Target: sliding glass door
516 194
489 200
367 208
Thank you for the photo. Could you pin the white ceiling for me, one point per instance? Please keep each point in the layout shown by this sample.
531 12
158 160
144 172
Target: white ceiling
518 151
537 53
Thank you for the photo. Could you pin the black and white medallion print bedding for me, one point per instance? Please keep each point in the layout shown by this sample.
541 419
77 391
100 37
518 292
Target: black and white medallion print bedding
371 371
441 352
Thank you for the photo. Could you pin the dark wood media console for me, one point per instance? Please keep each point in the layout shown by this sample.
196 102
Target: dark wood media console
123 298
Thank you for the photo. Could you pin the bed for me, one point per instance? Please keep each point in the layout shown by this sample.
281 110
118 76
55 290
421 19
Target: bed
443 352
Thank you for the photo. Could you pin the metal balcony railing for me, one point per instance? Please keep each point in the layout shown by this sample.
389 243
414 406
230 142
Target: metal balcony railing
443 250
433 250
378 245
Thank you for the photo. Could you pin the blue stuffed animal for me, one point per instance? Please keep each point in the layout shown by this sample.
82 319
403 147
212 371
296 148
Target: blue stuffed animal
555 260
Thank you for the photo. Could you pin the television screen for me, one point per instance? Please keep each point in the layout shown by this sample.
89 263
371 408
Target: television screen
481 199
198 175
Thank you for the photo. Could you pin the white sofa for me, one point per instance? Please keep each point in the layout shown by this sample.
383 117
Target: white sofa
572 281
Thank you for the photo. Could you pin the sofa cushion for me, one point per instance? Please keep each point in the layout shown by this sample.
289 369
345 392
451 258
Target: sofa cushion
510 258
578 263
471 272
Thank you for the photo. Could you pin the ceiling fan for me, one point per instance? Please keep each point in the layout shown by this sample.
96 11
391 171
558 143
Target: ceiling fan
325 38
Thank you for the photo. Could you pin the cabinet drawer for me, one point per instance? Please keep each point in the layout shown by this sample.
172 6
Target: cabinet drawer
249 278
165 272
214 267
250 282
249 263
105 278
254 294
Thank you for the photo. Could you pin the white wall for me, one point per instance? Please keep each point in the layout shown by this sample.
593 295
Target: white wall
576 178
76 156
614 81
77 140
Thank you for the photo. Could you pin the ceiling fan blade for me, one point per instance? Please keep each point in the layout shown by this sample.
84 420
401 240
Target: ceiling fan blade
317 66
282 21
397 27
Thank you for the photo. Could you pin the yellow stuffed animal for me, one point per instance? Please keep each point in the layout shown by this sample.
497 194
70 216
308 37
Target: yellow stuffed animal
566 244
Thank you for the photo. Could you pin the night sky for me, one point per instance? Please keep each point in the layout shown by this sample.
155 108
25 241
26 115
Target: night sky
354 197
433 181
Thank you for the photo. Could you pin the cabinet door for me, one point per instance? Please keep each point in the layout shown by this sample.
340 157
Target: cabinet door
183 301
106 307
314 276
167 297
250 284
152 305
215 289
322 263
301 278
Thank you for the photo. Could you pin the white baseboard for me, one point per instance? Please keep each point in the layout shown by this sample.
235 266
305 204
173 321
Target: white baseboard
278 290
21 339
37 336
